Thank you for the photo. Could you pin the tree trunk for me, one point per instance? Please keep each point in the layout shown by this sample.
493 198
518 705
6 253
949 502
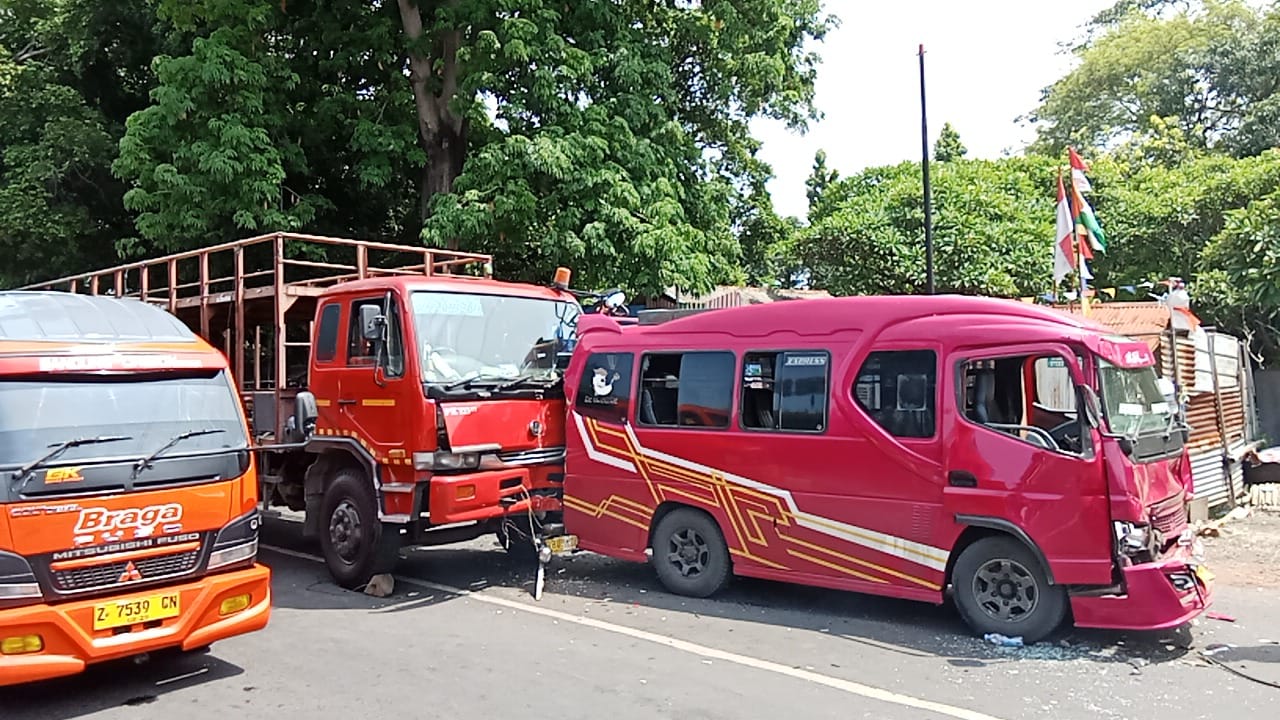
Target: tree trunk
441 131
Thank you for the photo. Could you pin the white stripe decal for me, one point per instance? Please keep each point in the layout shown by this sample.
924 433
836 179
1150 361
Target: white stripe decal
596 454
918 553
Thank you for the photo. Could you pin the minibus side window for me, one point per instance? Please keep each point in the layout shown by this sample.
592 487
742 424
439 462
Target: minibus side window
692 389
785 391
604 392
898 389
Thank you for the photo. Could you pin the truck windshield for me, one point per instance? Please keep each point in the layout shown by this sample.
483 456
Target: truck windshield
139 413
1133 402
468 335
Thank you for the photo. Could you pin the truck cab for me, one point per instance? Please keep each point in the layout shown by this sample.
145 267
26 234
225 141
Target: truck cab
1019 460
439 415
128 492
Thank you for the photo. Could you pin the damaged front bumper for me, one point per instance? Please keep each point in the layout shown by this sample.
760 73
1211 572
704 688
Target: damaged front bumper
1156 595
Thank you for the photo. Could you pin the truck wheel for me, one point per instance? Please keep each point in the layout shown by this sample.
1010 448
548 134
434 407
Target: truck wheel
689 553
515 535
353 540
1000 587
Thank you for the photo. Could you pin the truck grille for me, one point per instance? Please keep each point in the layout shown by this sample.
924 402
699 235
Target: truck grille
1169 518
536 456
116 573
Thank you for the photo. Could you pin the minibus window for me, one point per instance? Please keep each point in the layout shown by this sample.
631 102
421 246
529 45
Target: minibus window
604 392
898 389
785 390
1027 397
693 389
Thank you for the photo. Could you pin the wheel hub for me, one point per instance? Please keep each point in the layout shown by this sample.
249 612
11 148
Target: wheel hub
345 531
688 552
1006 590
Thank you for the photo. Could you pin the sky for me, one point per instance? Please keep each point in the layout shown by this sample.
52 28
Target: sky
986 62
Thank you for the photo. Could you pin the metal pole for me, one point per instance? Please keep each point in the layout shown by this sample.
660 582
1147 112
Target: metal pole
928 191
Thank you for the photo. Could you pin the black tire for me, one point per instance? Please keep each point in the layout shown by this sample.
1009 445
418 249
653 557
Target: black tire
1001 587
515 535
690 555
356 546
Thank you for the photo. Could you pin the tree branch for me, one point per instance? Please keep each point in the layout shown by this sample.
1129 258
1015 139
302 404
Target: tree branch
30 52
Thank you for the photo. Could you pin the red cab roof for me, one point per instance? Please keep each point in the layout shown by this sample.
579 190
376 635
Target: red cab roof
963 320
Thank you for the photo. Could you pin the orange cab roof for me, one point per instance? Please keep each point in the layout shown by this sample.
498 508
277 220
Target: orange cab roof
447 283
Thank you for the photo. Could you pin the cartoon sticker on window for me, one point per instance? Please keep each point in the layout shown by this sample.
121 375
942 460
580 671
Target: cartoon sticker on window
605 389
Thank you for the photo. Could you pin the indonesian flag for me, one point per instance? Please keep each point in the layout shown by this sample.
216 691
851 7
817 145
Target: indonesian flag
1078 169
1064 254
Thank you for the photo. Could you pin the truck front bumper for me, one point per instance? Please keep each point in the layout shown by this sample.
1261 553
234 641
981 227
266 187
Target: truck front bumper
70 642
1157 595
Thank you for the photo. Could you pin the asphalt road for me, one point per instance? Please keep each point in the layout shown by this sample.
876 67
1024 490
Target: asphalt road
462 637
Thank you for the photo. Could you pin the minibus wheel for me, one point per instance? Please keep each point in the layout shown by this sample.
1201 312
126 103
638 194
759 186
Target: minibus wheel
689 553
351 536
1000 587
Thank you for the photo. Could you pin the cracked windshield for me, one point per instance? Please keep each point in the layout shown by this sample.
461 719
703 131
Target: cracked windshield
464 335
1132 400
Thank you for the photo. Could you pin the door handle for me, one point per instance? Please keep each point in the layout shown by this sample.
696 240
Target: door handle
962 478
346 402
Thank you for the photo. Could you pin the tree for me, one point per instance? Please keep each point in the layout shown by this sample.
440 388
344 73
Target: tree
948 147
70 72
816 184
1208 68
1239 286
993 224
608 136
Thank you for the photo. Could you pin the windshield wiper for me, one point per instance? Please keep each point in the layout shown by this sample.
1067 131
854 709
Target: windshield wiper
544 382
145 462
59 448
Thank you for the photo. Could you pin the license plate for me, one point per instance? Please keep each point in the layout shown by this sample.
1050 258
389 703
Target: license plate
1205 574
562 544
119 613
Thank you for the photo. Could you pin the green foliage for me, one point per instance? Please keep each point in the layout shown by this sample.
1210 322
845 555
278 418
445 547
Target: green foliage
1239 286
612 137
816 184
1210 69
948 146
993 229
70 72
1161 218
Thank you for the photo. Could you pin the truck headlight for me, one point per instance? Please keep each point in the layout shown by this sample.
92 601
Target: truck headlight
18 584
1132 538
237 542
445 461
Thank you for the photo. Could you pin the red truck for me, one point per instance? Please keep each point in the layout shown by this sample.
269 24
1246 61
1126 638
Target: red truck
398 396
1017 458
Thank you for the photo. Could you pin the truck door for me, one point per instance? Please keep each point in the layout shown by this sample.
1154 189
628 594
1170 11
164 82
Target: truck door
1021 458
372 397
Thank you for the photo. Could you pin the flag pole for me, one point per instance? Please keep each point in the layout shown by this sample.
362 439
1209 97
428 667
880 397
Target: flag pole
1075 244
928 191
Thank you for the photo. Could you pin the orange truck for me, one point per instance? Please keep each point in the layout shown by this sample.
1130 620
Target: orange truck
128 490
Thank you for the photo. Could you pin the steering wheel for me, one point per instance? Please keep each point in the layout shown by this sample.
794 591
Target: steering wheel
1064 436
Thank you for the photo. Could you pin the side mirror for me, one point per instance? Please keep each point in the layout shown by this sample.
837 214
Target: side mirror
372 322
1091 406
614 299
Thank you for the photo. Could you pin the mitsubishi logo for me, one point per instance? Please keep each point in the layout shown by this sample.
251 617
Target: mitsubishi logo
130 574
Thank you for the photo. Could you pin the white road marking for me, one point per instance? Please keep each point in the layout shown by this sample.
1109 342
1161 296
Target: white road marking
853 688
